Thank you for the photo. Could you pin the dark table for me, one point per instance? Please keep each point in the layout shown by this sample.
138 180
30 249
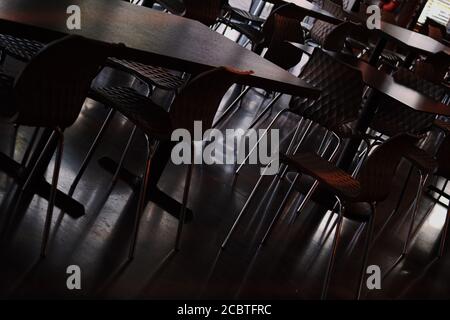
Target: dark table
382 84
150 37
416 43
306 8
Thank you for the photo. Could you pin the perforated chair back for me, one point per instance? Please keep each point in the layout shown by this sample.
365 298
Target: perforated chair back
341 91
377 173
51 89
392 118
204 11
201 98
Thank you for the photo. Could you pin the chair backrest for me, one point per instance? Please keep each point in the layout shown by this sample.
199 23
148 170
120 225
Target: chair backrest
284 29
392 118
204 11
377 173
51 89
443 157
201 98
341 91
283 24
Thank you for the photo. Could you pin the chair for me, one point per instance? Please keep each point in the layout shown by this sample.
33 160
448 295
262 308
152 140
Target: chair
357 197
158 124
341 95
339 103
276 31
19 48
50 93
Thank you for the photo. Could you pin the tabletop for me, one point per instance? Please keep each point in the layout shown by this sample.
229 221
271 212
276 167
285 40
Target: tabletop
150 37
309 9
386 85
411 39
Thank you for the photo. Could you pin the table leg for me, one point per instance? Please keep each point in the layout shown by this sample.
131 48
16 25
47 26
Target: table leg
362 125
38 185
375 56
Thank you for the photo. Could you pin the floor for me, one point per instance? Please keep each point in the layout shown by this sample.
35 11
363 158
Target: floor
290 266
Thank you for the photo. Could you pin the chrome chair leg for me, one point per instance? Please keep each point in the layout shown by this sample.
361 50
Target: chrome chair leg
444 235
30 147
13 141
142 197
259 140
91 151
266 109
244 208
122 159
51 201
368 241
331 262
231 106
187 184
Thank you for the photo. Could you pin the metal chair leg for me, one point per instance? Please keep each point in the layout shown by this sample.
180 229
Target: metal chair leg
266 109
91 151
244 208
259 140
231 106
369 226
444 234
142 197
30 147
187 184
122 159
51 201
13 141
330 267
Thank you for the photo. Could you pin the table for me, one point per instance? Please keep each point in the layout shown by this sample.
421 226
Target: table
307 8
382 84
417 43
150 37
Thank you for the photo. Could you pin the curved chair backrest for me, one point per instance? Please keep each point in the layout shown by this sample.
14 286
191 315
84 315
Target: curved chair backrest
204 11
330 36
443 157
201 98
52 87
284 29
392 118
377 173
341 91
434 67
283 24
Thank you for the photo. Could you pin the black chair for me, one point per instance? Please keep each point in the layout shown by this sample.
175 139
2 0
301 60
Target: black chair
158 125
50 93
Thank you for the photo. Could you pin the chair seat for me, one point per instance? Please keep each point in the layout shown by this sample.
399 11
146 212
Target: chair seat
243 15
253 34
20 48
7 108
357 211
160 77
336 180
139 109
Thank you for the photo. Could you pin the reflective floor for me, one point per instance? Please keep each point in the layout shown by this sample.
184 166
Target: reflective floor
291 265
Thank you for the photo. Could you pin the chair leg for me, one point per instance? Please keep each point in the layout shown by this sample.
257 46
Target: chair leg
231 106
91 151
370 225
122 159
187 184
30 147
51 201
444 234
244 208
266 109
142 197
259 140
330 267
13 141
423 178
